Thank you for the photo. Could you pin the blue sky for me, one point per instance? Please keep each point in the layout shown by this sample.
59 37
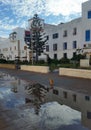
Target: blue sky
15 13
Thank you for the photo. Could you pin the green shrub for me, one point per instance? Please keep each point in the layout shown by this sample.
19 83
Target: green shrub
41 62
10 62
52 66
54 61
3 61
67 65
78 57
64 61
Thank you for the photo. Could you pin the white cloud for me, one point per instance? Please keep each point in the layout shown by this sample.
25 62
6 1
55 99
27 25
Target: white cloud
64 7
54 115
5 24
27 8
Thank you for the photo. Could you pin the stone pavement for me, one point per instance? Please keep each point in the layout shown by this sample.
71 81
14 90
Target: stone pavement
73 83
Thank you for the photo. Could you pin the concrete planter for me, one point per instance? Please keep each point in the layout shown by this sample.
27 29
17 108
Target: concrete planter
75 73
9 66
40 69
84 63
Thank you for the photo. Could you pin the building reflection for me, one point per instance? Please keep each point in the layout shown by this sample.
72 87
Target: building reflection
76 100
37 94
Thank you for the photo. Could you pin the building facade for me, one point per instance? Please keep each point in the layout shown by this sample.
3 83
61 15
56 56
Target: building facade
14 47
63 39
66 38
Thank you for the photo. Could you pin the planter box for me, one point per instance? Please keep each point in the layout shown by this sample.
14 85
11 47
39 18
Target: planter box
9 66
75 73
84 63
41 69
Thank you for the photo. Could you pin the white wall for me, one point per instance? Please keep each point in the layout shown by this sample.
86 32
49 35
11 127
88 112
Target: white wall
86 23
69 39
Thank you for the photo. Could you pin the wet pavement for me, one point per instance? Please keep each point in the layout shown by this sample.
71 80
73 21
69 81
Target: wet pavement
29 111
77 84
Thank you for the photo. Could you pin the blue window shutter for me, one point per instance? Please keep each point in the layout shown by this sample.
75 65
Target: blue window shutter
89 14
87 35
74 44
65 46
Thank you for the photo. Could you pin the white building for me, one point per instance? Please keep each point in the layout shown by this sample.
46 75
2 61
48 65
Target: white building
63 39
14 47
66 38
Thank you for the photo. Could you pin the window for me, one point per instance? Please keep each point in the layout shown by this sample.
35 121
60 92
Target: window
74 97
54 47
65 94
74 44
65 33
14 36
55 56
87 35
65 55
47 48
74 54
89 115
55 35
74 31
89 14
55 91
65 46
47 37
87 98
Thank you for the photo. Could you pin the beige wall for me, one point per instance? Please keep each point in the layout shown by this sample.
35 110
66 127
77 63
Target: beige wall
75 72
41 69
10 66
84 63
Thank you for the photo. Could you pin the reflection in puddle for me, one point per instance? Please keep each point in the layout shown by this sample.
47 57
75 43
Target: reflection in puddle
55 115
38 105
37 93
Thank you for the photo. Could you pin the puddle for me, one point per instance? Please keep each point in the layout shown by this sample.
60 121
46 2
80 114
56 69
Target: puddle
35 104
